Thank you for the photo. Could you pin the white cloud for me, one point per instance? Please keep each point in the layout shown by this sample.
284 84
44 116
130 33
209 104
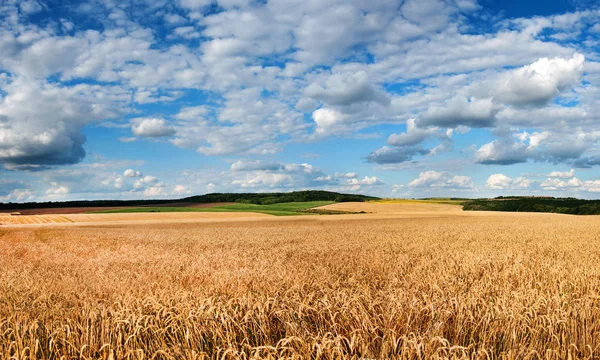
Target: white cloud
345 89
436 179
540 82
503 182
367 180
498 181
152 127
461 111
154 191
30 7
545 146
175 19
264 180
187 32
57 191
573 184
50 132
501 152
181 190
349 175
327 120
412 136
132 173
393 155
535 139
562 174
18 195
145 181
253 125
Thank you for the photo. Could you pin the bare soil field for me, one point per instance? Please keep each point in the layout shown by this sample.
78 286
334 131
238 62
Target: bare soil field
380 285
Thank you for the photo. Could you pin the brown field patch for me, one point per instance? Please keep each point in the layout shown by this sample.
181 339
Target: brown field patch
166 217
362 286
33 219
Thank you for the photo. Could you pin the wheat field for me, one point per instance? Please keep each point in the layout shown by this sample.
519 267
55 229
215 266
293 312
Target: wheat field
445 286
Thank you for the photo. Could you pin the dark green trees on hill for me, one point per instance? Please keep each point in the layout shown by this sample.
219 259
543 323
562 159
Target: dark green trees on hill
246 198
274 198
536 204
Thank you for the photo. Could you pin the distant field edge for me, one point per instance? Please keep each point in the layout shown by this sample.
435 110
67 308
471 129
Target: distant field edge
537 204
443 201
278 209
37 208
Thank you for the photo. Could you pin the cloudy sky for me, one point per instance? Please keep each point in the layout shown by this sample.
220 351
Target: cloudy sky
409 98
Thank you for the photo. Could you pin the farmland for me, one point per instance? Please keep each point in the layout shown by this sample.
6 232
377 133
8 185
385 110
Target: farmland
278 209
406 280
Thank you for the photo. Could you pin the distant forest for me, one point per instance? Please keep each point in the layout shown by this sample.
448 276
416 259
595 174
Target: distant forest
535 204
244 198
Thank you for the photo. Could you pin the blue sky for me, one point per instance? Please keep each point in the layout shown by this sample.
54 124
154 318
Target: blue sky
414 98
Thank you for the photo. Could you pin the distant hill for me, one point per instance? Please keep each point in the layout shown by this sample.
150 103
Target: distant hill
244 198
274 198
535 204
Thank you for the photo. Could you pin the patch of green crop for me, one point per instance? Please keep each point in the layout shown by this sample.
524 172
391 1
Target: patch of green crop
279 209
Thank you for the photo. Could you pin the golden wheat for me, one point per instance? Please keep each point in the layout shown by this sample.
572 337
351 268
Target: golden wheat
479 287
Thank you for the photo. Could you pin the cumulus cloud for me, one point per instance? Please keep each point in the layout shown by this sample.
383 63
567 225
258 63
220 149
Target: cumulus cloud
265 176
346 89
152 127
264 180
145 181
503 182
392 155
562 174
13 191
19 195
542 146
367 180
556 181
132 173
49 132
501 152
540 82
412 136
555 184
349 175
253 125
437 179
326 120
181 190
357 184
459 110
57 191
534 139
154 191
276 176
30 7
